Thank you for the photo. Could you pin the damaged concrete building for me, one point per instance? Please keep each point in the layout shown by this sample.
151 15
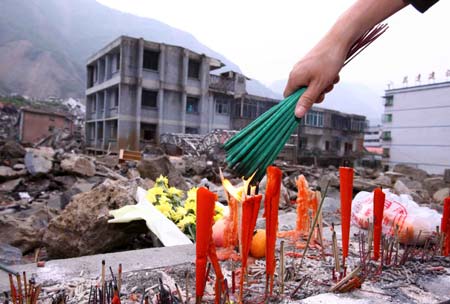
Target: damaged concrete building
138 90
329 134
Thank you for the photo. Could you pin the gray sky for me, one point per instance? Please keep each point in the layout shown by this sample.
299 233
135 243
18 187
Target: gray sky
266 38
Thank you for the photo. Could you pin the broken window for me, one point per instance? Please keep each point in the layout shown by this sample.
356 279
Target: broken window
303 143
148 132
314 119
250 109
151 60
222 106
115 98
92 75
194 69
348 147
149 99
191 130
192 105
113 130
117 62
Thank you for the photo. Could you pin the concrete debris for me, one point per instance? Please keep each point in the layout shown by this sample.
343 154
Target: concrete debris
440 195
39 161
82 228
78 164
152 168
7 173
9 255
401 188
9 186
11 149
414 173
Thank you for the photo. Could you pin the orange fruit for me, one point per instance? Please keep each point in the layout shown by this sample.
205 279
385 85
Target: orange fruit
258 246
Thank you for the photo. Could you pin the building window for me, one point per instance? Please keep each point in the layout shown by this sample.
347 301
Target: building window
386 135
348 147
149 99
337 145
117 62
113 130
148 132
327 145
250 109
151 60
191 130
386 152
389 101
222 106
314 119
303 143
192 105
387 118
194 69
115 98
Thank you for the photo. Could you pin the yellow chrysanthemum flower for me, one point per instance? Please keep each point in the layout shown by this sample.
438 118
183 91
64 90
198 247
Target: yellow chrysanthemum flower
192 193
217 217
190 205
162 180
163 199
175 192
165 209
151 197
156 190
189 219
178 214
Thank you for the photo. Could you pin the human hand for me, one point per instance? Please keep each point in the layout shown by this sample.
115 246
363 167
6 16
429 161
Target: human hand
318 71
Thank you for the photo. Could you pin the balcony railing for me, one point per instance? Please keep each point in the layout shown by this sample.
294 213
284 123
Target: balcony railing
221 83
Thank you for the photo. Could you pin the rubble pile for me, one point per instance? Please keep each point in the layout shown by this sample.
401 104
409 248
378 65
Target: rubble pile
62 139
9 118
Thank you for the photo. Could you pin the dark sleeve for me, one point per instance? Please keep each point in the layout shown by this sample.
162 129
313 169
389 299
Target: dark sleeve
422 5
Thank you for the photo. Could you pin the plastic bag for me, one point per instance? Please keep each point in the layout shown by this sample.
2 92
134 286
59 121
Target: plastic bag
398 210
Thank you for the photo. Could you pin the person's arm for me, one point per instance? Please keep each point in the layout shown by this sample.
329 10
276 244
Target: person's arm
319 69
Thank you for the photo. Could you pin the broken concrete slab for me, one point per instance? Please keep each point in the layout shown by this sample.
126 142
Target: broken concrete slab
441 194
7 173
433 184
9 186
152 168
414 173
12 149
9 255
400 188
78 164
82 227
39 161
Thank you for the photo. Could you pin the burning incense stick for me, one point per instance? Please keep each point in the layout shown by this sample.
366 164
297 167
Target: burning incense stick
314 224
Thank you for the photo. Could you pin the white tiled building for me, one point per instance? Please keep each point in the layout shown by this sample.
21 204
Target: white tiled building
416 127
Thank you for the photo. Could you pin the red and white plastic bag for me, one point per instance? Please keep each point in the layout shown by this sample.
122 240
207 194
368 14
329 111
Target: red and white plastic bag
400 211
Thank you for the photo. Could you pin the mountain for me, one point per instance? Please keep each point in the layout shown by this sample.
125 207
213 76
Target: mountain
44 44
347 97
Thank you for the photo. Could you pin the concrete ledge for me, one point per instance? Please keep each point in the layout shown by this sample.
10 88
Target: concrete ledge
90 266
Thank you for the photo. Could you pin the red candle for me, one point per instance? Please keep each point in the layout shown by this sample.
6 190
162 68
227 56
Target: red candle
346 188
271 203
378 208
445 226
